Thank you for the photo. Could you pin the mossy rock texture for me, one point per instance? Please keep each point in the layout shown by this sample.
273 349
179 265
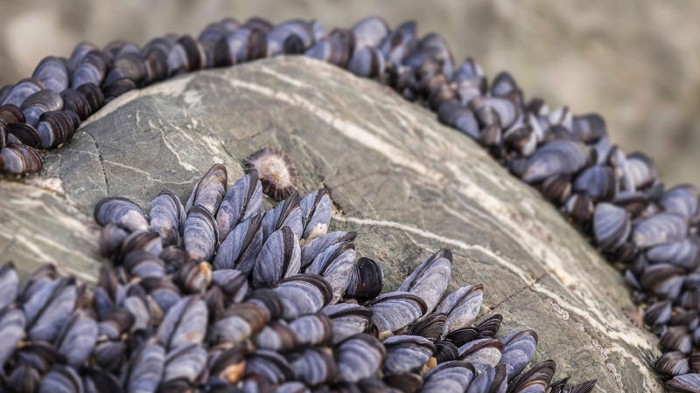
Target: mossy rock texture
406 184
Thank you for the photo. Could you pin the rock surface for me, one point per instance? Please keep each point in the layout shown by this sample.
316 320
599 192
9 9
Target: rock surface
406 184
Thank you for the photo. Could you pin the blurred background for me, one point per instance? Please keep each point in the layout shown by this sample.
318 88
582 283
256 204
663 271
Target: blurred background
636 62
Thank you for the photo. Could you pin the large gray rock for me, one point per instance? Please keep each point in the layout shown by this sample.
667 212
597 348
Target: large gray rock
406 184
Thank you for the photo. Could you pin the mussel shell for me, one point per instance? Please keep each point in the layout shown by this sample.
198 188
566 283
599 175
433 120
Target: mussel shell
366 281
53 73
336 265
16 158
367 62
20 92
597 181
312 329
519 349
682 199
184 364
56 128
241 45
167 217
39 103
315 366
396 310
406 353
200 234
279 258
611 226
556 158
303 294
23 133
242 201
453 114
242 246
209 190
430 279
348 319
370 31
462 306
185 323
659 228
359 357
290 37
451 376
482 353
316 214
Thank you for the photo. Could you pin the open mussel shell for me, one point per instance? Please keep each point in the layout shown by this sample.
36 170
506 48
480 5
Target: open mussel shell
359 357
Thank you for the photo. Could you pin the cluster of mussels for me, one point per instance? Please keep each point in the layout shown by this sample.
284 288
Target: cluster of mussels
220 295
615 197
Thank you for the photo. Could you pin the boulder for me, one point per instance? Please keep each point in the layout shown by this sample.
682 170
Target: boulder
405 183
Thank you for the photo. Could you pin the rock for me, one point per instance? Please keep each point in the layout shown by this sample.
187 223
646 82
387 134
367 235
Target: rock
406 184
